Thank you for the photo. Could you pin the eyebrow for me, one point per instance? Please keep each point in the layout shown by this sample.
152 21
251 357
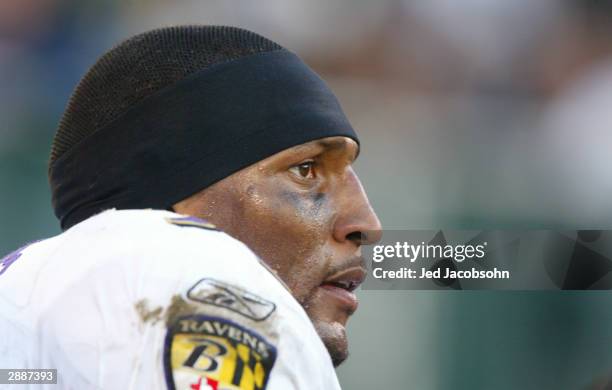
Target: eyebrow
334 144
325 145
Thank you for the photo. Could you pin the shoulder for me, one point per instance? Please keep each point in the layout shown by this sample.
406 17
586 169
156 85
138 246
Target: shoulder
157 253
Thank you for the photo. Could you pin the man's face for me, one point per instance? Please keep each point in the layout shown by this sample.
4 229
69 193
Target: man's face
305 213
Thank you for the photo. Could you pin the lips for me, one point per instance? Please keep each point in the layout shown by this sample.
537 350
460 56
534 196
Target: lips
340 286
348 279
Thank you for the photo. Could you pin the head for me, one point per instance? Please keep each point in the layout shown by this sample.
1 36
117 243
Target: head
305 213
223 124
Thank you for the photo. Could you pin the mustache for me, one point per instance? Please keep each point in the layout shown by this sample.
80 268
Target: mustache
352 262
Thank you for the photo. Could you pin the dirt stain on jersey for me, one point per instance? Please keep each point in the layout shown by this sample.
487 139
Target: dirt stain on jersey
146 314
177 309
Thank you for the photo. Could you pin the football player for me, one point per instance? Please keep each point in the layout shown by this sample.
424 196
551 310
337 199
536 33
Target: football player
212 224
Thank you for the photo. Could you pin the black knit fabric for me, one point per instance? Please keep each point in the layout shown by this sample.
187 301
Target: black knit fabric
172 111
142 65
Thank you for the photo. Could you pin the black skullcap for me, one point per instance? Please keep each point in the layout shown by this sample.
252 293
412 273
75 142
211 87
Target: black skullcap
172 111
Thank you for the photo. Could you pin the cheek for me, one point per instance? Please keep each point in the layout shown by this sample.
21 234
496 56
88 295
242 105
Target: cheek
289 231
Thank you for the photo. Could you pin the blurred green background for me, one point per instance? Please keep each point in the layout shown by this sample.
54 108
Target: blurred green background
473 114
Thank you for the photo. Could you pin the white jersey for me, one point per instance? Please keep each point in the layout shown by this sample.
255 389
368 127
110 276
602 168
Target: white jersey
144 299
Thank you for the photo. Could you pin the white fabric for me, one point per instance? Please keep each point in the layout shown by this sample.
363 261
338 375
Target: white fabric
68 302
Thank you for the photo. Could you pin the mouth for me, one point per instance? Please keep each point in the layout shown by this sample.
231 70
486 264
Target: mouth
340 287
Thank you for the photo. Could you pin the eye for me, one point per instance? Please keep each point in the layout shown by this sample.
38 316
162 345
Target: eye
304 170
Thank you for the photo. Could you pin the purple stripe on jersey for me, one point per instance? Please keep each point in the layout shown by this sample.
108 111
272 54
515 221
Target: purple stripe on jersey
12 257
189 219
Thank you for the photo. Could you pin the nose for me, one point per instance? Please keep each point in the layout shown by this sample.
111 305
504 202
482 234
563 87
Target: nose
356 221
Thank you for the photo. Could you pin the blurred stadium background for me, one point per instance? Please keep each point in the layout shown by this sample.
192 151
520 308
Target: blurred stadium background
473 114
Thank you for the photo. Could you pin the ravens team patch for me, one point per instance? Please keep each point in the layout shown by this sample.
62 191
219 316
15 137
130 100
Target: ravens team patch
191 221
204 352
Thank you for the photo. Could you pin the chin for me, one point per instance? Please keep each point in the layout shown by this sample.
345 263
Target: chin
334 338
